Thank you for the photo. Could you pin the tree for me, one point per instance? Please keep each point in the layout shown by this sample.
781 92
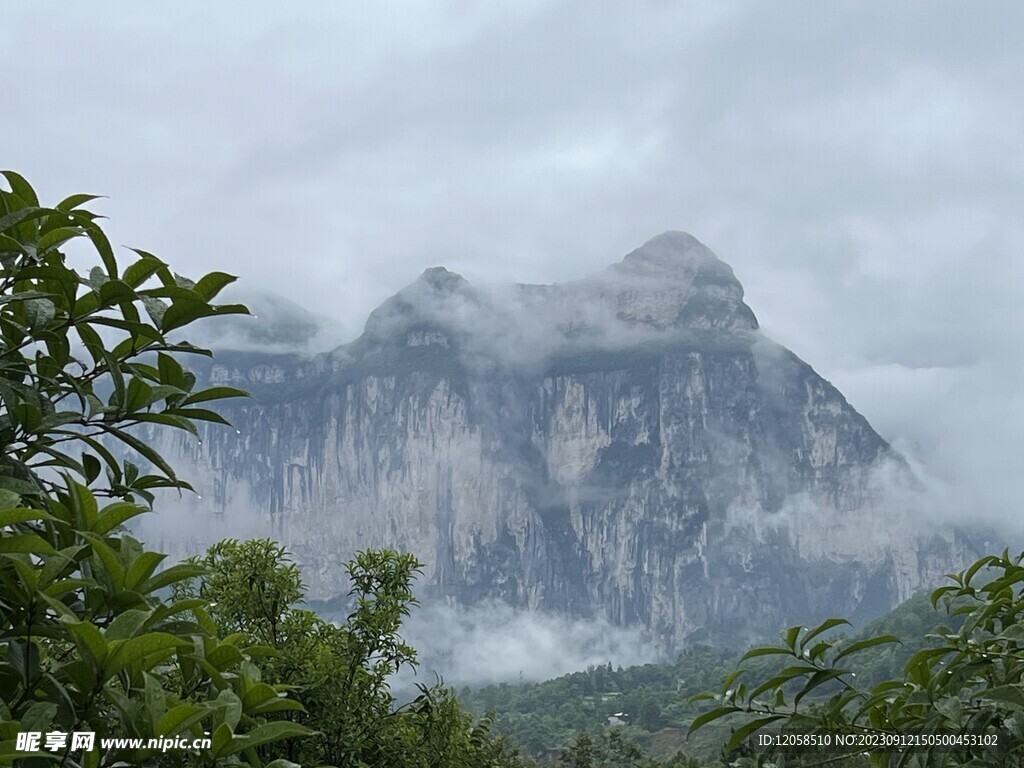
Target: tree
340 673
610 749
87 642
961 699
649 715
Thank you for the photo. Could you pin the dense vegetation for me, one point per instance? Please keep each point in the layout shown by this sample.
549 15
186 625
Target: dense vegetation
339 673
88 642
959 699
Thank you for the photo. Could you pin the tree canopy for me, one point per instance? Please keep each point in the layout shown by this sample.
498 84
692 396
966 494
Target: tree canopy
89 643
959 702
340 673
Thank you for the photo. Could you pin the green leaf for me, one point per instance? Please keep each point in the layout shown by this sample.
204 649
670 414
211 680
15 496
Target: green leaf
215 393
8 499
28 543
127 624
141 649
148 452
221 741
113 366
114 515
870 642
172 575
111 564
138 395
1010 695
21 515
969 574
180 718
108 458
143 269
765 651
99 241
202 414
92 467
257 694
29 575
97 277
171 372
791 637
12 220
89 641
160 392
279 704
11 246
231 309
230 708
23 656
210 285
225 656
168 420
64 586
114 292
21 187
741 733
818 679
39 717
787 674
182 312
74 201
267 734
711 716
142 568
56 237
823 627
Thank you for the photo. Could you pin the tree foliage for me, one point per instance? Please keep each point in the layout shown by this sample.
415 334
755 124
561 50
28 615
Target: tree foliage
341 673
87 641
610 749
542 717
959 702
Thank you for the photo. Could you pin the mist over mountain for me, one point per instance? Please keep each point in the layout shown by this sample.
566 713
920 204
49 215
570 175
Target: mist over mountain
274 324
627 447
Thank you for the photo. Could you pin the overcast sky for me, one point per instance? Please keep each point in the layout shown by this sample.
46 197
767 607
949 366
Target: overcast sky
860 165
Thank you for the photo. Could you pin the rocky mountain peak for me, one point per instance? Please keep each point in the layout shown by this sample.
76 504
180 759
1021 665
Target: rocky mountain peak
670 254
442 280
674 281
431 299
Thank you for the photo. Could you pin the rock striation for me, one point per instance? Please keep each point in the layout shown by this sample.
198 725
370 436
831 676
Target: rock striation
628 445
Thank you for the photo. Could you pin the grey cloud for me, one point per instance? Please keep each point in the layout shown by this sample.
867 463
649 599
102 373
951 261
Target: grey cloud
858 164
494 642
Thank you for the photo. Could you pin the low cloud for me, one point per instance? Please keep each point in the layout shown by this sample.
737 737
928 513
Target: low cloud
275 324
493 642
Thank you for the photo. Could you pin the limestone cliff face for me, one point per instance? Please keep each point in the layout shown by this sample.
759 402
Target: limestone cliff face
627 445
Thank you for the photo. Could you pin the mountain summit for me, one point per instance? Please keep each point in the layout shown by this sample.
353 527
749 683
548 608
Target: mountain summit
628 445
671 285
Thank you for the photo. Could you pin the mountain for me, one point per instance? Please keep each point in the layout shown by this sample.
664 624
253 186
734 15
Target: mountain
628 445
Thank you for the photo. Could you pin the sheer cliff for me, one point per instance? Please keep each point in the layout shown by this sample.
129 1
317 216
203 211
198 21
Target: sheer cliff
627 445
